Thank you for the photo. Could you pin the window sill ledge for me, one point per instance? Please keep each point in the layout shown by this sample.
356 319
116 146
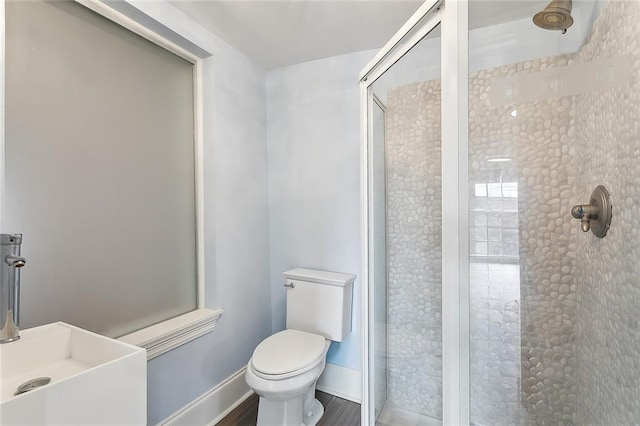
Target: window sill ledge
167 335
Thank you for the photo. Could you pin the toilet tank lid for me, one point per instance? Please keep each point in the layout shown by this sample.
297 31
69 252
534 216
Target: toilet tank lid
322 277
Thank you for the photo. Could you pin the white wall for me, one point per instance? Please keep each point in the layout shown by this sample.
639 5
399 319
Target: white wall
314 185
236 223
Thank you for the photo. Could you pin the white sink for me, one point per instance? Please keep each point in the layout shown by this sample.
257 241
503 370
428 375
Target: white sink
94 379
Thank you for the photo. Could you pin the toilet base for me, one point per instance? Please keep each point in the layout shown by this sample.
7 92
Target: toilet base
301 410
314 414
289 401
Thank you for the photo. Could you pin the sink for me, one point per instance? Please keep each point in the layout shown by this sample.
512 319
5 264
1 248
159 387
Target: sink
94 379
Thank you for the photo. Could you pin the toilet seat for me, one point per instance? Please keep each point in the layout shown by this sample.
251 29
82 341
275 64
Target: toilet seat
288 353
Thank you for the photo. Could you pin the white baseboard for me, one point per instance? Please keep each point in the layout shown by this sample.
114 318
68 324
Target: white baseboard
214 405
343 382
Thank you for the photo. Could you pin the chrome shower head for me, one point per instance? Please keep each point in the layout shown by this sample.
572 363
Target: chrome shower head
556 16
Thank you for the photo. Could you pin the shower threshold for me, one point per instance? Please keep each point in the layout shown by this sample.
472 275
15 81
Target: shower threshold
394 416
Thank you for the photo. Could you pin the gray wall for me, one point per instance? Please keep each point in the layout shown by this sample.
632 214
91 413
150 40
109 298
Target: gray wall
236 224
314 167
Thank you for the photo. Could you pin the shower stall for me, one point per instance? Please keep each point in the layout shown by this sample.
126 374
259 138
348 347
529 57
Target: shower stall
501 216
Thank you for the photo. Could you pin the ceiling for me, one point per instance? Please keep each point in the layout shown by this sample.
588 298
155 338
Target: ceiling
278 33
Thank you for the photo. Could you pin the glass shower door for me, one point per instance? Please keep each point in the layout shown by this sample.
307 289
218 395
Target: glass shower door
553 312
537 323
405 275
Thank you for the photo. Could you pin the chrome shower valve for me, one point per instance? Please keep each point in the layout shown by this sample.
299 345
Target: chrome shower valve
595 216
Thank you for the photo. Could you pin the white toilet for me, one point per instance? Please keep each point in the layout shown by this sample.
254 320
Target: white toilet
285 367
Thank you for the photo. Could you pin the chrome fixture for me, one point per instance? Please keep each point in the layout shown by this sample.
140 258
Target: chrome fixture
10 286
556 16
32 384
290 285
597 214
15 261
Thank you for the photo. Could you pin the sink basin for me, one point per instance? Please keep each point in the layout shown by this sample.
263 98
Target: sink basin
94 379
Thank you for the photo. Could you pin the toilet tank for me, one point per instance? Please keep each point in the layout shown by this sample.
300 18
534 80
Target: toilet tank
319 302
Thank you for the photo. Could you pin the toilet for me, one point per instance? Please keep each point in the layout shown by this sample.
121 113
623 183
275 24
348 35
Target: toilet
285 367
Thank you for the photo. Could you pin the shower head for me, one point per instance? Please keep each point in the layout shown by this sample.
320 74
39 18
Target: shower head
556 16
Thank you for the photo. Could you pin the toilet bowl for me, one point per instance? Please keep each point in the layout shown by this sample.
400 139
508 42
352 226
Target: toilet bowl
285 367
283 371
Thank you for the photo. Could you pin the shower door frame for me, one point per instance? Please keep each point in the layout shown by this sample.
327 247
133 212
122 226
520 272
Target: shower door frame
452 16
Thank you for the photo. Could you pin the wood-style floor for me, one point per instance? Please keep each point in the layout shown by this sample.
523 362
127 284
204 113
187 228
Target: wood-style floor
337 412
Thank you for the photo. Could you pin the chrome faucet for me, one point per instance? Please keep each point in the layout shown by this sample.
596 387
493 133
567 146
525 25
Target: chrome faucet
15 261
10 286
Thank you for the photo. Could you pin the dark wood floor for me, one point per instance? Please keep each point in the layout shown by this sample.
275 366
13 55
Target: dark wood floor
337 412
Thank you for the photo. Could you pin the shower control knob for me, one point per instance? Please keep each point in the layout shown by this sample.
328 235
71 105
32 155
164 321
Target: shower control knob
595 216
